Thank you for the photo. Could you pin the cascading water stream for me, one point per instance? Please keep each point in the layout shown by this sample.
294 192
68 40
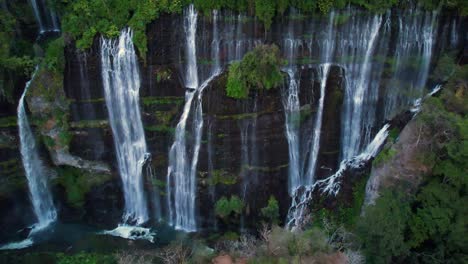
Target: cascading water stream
354 124
121 81
327 54
331 185
181 175
182 170
35 170
415 40
46 18
36 174
373 182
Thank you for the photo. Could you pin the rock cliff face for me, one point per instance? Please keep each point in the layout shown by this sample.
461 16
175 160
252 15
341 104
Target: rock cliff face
244 149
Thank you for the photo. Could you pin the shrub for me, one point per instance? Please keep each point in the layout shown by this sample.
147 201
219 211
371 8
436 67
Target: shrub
54 59
260 69
225 207
271 211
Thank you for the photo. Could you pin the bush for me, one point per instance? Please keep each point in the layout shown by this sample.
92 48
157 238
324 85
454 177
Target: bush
224 207
271 211
260 69
54 59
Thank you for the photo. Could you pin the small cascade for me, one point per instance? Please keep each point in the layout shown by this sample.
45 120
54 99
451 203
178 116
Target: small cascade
373 182
121 80
182 170
35 170
46 18
413 53
331 185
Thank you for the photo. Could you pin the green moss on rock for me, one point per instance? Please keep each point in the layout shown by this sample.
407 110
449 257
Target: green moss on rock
161 100
77 183
8 121
11 176
90 124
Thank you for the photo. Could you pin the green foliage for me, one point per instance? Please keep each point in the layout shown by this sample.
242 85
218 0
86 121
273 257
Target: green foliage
378 6
284 243
445 68
224 207
260 69
232 236
271 211
265 11
221 177
382 229
385 155
83 19
431 228
236 87
54 59
15 52
85 258
77 184
455 94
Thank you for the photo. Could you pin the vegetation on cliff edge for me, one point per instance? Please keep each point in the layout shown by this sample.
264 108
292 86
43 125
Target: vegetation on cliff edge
259 69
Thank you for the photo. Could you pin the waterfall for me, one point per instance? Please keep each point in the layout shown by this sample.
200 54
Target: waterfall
413 52
121 81
190 27
37 176
302 172
291 106
46 18
35 170
359 87
182 170
327 53
181 175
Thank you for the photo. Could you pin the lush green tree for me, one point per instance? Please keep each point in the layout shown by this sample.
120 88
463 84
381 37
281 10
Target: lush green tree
260 69
383 227
265 11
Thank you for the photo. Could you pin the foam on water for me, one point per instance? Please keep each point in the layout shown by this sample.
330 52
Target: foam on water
131 232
